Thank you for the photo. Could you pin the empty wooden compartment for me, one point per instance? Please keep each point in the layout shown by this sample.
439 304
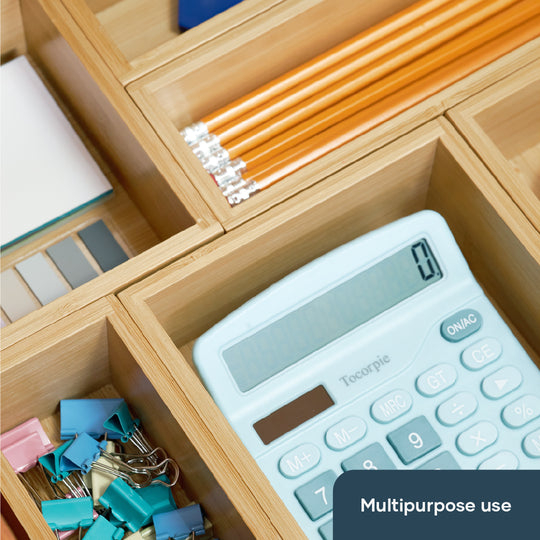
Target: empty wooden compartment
155 214
99 352
501 124
432 167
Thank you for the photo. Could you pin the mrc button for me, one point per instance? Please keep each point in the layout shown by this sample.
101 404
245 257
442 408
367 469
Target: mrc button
461 325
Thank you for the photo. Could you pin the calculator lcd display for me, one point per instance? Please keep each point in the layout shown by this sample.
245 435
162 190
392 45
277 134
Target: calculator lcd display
331 315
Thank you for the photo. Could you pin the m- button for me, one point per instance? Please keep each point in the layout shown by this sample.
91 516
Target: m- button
391 406
299 460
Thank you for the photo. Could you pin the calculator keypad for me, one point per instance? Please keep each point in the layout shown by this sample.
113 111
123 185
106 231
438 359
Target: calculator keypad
501 461
457 408
372 458
391 406
436 379
522 411
502 382
414 440
481 353
317 496
477 438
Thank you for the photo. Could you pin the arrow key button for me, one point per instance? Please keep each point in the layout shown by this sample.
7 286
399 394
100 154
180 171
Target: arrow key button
502 382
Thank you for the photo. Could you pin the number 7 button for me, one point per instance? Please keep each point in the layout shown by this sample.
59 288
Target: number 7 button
317 495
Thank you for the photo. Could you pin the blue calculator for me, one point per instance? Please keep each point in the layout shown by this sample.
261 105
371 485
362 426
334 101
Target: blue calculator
382 354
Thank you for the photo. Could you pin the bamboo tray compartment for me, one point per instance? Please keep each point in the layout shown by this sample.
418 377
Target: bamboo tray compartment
431 167
176 95
155 213
502 125
99 352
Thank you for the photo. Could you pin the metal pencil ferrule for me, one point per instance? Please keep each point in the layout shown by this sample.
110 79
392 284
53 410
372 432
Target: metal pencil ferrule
206 146
243 193
216 161
229 173
194 133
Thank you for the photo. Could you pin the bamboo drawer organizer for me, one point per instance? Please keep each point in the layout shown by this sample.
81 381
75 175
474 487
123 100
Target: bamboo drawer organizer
98 352
432 167
502 125
155 213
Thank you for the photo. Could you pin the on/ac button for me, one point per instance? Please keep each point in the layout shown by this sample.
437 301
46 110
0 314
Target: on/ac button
461 324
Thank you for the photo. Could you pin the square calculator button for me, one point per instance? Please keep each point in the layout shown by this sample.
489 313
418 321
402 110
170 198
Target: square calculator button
442 462
414 440
327 531
371 458
317 496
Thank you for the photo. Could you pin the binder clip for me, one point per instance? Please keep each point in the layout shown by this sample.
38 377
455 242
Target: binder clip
71 480
126 505
101 479
147 533
86 416
81 453
179 524
102 529
68 514
159 497
25 444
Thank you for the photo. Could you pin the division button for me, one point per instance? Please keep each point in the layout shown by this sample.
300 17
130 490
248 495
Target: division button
501 461
457 408
391 406
414 440
531 444
477 438
345 433
522 411
481 353
461 325
436 379
442 462
371 458
502 382
299 460
316 497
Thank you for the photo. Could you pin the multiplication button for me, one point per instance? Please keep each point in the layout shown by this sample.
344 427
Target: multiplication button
436 379
345 433
457 408
522 411
316 497
414 440
391 406
477 438
299 460
502 382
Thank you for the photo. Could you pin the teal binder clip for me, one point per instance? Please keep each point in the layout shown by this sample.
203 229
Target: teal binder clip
81 453
121 423
179 524
126 505
159 497
68 514
86 416
51 462
102 529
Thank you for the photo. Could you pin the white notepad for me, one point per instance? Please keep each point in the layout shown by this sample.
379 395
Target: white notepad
46 171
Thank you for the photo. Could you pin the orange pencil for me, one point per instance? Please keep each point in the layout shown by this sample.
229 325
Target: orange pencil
364 66
319 63
334 94
356 125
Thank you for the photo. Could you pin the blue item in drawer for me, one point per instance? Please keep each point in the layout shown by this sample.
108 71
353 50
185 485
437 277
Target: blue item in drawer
383 354
194 12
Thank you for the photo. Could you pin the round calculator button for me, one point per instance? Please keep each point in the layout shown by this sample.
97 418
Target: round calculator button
481 353
477 438
436 379
299 460
522 411
391 406
531 444
345 433
457 408
461 325
502 382
501 461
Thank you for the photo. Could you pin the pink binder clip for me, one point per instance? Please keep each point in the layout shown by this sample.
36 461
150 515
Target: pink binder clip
24 444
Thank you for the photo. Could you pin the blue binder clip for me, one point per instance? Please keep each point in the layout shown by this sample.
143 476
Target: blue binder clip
68 514
126 505
194 12
86 416
179 524
81 453
102 529
159 497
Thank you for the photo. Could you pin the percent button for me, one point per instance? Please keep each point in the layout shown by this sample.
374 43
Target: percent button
522 411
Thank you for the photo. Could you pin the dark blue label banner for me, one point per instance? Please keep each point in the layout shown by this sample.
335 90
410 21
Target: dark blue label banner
442 505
